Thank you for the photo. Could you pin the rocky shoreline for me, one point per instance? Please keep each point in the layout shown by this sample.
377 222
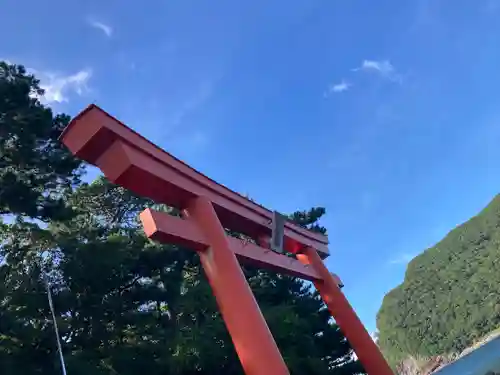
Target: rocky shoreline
428 366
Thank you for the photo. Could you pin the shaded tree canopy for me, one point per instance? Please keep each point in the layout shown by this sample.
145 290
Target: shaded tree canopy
449 298
124 304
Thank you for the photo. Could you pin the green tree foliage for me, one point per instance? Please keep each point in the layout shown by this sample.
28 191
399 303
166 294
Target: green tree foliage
449 298
34 167
309 219
124 304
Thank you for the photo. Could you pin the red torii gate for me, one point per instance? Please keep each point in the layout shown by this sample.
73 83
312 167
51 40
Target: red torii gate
128 159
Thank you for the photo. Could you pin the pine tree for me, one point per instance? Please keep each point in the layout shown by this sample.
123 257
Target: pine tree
35 169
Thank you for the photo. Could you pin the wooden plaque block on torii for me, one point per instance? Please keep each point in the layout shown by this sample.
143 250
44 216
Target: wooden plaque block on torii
128 159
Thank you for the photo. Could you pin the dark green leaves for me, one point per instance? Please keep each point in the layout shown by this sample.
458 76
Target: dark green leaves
35 169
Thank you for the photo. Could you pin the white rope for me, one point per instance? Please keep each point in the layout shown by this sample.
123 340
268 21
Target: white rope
56 330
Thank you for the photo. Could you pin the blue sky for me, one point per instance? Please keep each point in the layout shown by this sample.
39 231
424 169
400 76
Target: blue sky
387 113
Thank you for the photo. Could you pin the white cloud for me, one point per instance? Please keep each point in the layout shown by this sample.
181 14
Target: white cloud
337 88
403 258
106 29
382 67
58 87
340 87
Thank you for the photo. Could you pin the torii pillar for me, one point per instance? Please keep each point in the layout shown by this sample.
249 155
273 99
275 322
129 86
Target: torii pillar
128 159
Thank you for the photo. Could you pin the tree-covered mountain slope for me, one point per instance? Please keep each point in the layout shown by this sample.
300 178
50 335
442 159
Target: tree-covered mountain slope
450 296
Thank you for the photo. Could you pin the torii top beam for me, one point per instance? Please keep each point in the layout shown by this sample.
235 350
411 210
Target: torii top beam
130 160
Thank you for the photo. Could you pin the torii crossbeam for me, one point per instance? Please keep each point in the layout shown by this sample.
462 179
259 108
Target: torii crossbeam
128 159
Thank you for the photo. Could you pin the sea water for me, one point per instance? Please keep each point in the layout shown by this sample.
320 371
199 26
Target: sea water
483 361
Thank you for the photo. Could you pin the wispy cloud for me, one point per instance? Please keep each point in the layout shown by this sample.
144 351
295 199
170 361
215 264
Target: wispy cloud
59 87
337 88
382 67
106 29
403 258
340 87
198 98
183 137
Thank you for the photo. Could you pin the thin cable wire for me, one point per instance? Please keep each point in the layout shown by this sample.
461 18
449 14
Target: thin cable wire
56 329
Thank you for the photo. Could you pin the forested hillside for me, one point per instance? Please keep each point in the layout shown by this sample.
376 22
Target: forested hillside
124 305
450 296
